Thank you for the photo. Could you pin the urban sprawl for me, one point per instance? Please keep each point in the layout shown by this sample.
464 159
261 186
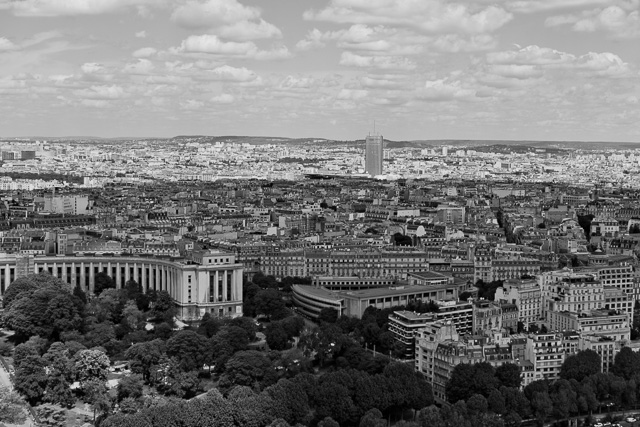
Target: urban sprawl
499 255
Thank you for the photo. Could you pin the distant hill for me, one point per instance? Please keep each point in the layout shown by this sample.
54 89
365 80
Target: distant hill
478 145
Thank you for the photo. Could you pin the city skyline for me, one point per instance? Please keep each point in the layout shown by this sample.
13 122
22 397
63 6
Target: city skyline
525 70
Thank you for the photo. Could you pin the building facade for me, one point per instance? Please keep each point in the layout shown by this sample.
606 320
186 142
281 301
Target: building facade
209 283
373 155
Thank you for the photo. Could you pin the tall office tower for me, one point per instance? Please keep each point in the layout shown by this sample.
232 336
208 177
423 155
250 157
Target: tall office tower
373 154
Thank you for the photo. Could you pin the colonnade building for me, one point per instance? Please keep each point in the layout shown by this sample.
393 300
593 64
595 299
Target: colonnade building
208 282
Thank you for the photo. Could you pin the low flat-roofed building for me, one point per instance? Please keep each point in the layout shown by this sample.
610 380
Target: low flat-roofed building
354 303
429 278
310 300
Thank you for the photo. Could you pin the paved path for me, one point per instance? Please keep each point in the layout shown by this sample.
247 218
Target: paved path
4 378
6 382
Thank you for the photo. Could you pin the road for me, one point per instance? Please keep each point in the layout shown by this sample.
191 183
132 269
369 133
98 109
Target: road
6 382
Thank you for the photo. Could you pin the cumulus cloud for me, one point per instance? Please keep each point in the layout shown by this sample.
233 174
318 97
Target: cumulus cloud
101 92
531 6
433 16
142 66
36 39
614 20
224 98
226 18
382 62
600 64
51 8
212 44
191 104
229 73
455 43
209 43
446 89
144 52
352 94
141 34
6 44
91 67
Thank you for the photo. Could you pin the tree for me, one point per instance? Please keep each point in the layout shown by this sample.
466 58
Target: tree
626 364
129 387
581 365
46 312
268 302
509 375
496 402
247 324
31 378
190 349
372 418
234 336
334 400
542 407
467 380
276 335
132 316
164 307
103 281
477 404
430 416
97 395
80 294
33 347
290 402
26 285
91 365
176 382
12 408
328 314
249 368
60 375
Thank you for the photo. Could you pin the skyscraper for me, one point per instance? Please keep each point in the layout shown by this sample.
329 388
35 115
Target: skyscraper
373 153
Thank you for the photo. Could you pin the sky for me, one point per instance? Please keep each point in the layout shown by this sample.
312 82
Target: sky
421 69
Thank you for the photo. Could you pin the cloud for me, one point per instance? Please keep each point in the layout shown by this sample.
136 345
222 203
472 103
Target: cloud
211 44
144 52
530 61
142 66
6 44
247 30
229 73
531 6
446 89
516 71
454 43
91 67
101 92
95 103
352 94
191 104
382 62
224 98
141 34
614 20
530 55
432 16
36 39
226 18
51 8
